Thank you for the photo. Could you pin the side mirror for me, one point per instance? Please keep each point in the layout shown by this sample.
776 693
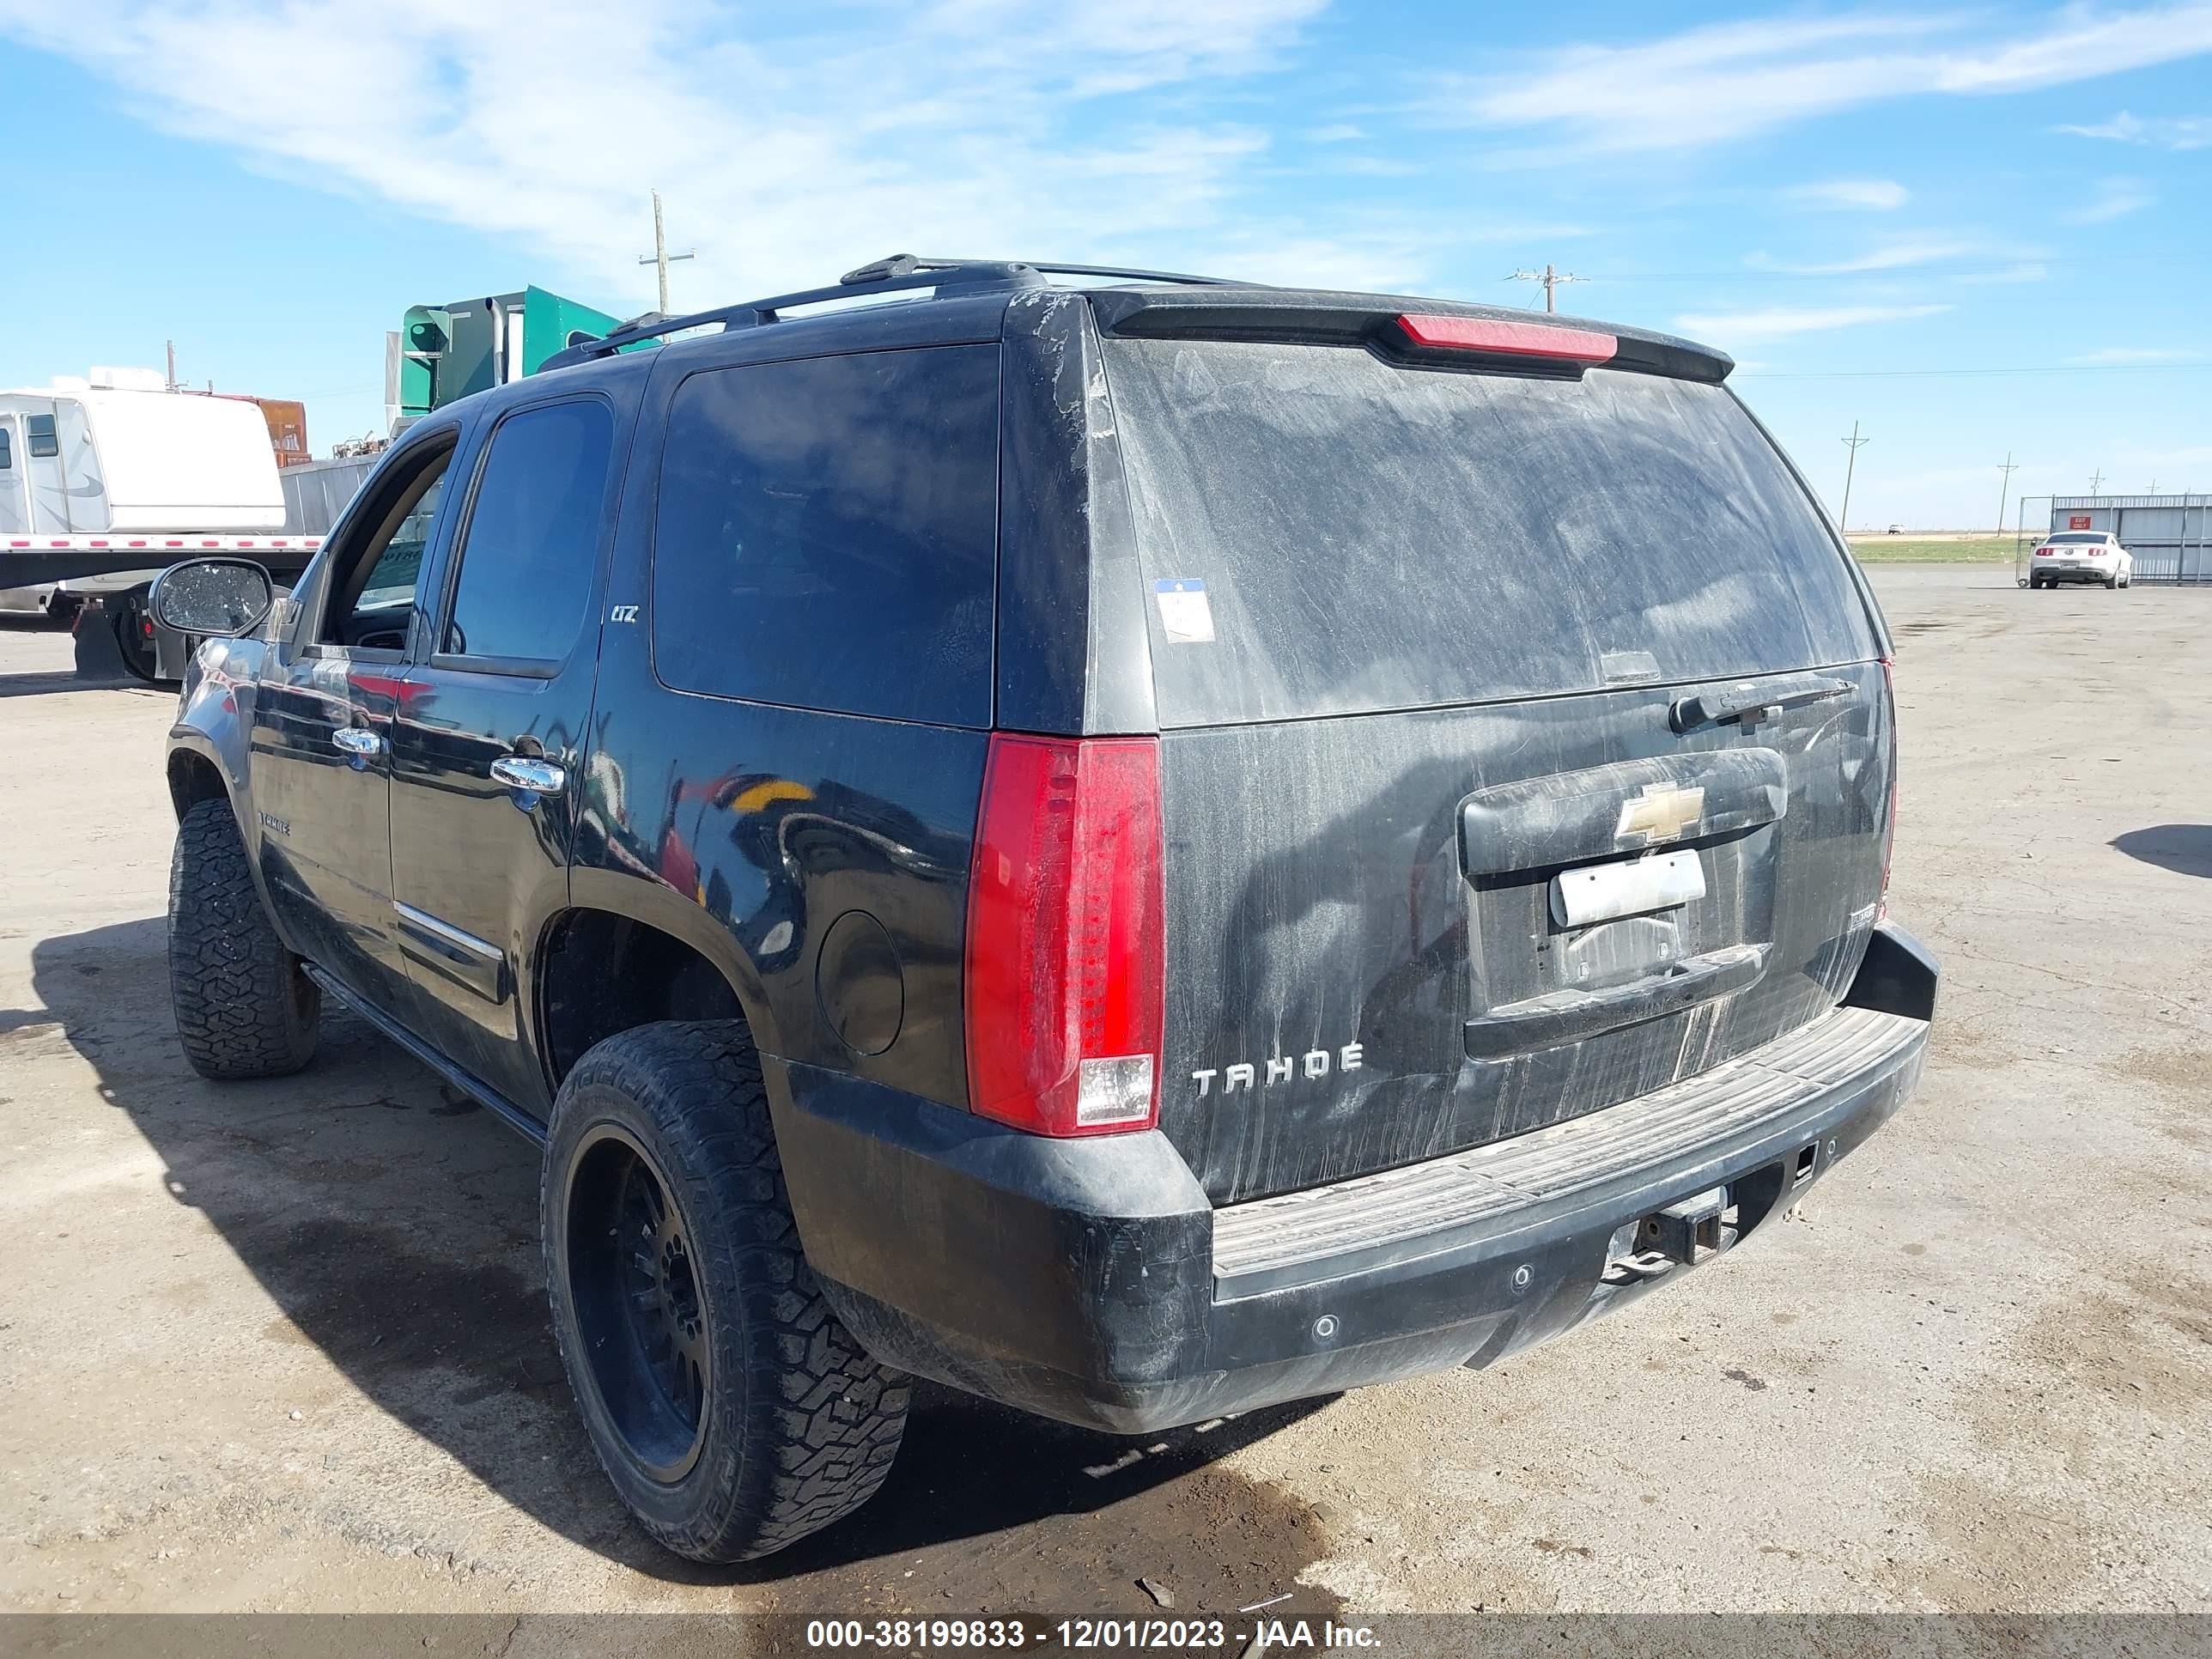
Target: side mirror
218 598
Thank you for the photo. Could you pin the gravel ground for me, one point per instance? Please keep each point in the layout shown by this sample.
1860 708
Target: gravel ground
282 1347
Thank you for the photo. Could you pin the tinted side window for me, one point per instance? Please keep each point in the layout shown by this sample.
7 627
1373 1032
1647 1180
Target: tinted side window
532 541
38 429
6 460
826 534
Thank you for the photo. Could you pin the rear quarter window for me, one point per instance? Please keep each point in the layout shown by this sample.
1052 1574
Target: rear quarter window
826 534
1371 537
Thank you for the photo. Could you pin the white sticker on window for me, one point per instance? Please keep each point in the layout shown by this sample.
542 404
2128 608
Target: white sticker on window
1185 615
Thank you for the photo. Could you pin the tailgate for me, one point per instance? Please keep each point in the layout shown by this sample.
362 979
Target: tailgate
1525 746
1370 965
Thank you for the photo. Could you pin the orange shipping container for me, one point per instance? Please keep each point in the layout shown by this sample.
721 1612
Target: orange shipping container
288 430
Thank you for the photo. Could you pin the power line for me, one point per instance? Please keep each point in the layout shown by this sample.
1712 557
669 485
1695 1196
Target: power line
1995 273
1552 280
1900 373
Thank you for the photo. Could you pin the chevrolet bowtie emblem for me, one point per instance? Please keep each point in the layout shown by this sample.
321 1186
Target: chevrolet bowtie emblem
1661 812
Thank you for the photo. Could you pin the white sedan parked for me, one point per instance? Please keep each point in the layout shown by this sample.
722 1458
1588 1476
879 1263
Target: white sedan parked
2081 556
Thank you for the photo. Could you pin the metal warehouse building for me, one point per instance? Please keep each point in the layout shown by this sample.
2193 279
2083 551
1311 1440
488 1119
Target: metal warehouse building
2171 535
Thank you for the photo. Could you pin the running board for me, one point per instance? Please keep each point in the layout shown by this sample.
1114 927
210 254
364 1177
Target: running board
470 1085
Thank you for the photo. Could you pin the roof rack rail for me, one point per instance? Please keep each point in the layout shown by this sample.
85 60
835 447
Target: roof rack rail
898 273
906 262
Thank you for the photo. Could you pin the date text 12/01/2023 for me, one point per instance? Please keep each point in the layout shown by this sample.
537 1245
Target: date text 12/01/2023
908 1635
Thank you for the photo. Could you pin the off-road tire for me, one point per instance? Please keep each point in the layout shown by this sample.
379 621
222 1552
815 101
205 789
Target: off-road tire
797 1426
244 1006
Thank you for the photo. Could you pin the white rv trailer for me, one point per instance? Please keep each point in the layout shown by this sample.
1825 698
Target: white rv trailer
108 478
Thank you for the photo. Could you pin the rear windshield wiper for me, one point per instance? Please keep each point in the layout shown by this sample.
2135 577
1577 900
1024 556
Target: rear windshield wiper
1730 703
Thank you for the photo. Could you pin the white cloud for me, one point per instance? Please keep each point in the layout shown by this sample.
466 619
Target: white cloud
2116 198
1725 81
1896 255
1878 195
1485 232
2160 131
1777 322
1373 167
2127 357
786 153
1338 132
2028 271
1376 263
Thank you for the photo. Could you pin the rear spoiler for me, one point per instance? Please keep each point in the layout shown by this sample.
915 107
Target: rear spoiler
1404 331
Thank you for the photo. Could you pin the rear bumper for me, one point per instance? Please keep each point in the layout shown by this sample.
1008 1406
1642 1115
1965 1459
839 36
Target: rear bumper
1091 1281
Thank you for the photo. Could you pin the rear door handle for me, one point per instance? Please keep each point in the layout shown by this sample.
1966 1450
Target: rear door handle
1559 1017
531 775
358 741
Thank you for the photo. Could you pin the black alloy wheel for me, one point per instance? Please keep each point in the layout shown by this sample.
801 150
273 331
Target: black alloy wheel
634 1283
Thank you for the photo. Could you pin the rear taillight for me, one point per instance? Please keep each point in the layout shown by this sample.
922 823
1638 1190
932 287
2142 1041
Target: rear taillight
2043 552
1889 830
1064 965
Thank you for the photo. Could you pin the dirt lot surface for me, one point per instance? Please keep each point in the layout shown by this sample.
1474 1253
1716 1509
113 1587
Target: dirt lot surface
283 1347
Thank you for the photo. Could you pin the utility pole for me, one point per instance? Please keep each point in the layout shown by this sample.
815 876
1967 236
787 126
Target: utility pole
1853 443
1552 280
2096 482
172 346
2005 489
660 258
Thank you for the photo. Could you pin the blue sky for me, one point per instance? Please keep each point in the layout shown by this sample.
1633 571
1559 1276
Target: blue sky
1974 230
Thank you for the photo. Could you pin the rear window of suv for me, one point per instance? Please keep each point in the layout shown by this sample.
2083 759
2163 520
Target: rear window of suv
826 534
1369 537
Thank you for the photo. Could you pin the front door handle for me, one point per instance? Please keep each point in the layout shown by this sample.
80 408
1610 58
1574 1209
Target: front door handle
530 774
358 742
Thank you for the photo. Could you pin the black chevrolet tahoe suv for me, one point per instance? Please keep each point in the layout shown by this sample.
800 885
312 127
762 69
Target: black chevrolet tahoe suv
1137 846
